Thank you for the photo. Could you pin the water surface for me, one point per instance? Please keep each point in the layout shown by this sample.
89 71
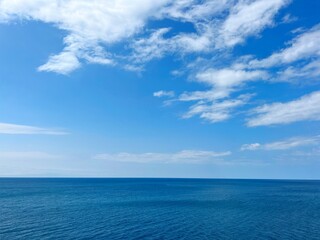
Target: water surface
159 209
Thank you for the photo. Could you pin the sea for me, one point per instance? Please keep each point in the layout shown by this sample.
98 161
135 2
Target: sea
124 208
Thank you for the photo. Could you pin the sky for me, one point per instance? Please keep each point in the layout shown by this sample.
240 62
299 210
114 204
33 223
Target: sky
160 88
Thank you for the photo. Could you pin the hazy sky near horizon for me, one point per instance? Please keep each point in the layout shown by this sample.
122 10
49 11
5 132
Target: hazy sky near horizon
160 88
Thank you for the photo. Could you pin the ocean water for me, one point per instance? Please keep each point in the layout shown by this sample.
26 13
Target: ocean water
159 209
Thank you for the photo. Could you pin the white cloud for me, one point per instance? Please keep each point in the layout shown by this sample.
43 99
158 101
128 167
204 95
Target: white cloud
88 24
305 73
8 128
209 95
186 156
155 46
194 10
64 63
283 145
202 41
250 146
248 18
297 63
163 94
216 111
305 108
292 143
225 80
212 29
93 27
210 104
288 19
304 46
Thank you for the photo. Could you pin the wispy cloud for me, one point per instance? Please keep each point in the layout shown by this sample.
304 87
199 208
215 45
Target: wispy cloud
283 145
308 72
299 61
304 46
250 146
148 48
163 94
186 156
88 24
306 108
228 79
217 27
193 10
248 18
8 128
216 111
98 25
288 18
214 104
63 63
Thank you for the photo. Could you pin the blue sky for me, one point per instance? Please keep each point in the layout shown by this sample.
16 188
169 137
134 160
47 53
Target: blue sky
187 88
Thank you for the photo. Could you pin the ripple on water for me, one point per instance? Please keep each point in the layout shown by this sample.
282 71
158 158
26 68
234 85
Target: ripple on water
158 209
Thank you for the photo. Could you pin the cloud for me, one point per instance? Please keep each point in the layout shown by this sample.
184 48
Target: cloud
202 41
64 63
288 19
248 18
251 146
306 72
8 128
155 46
163 94
292 143
214 28
297 63
93 28
209 95
193 10
305 46
210 104
89 25
216 111
306 108
186 156
283 145
227 79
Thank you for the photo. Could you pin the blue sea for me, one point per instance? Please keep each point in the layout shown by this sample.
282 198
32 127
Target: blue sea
159 209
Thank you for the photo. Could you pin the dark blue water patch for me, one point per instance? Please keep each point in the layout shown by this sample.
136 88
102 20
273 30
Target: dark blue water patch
159 209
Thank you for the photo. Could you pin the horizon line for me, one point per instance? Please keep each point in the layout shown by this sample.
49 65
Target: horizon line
173 178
